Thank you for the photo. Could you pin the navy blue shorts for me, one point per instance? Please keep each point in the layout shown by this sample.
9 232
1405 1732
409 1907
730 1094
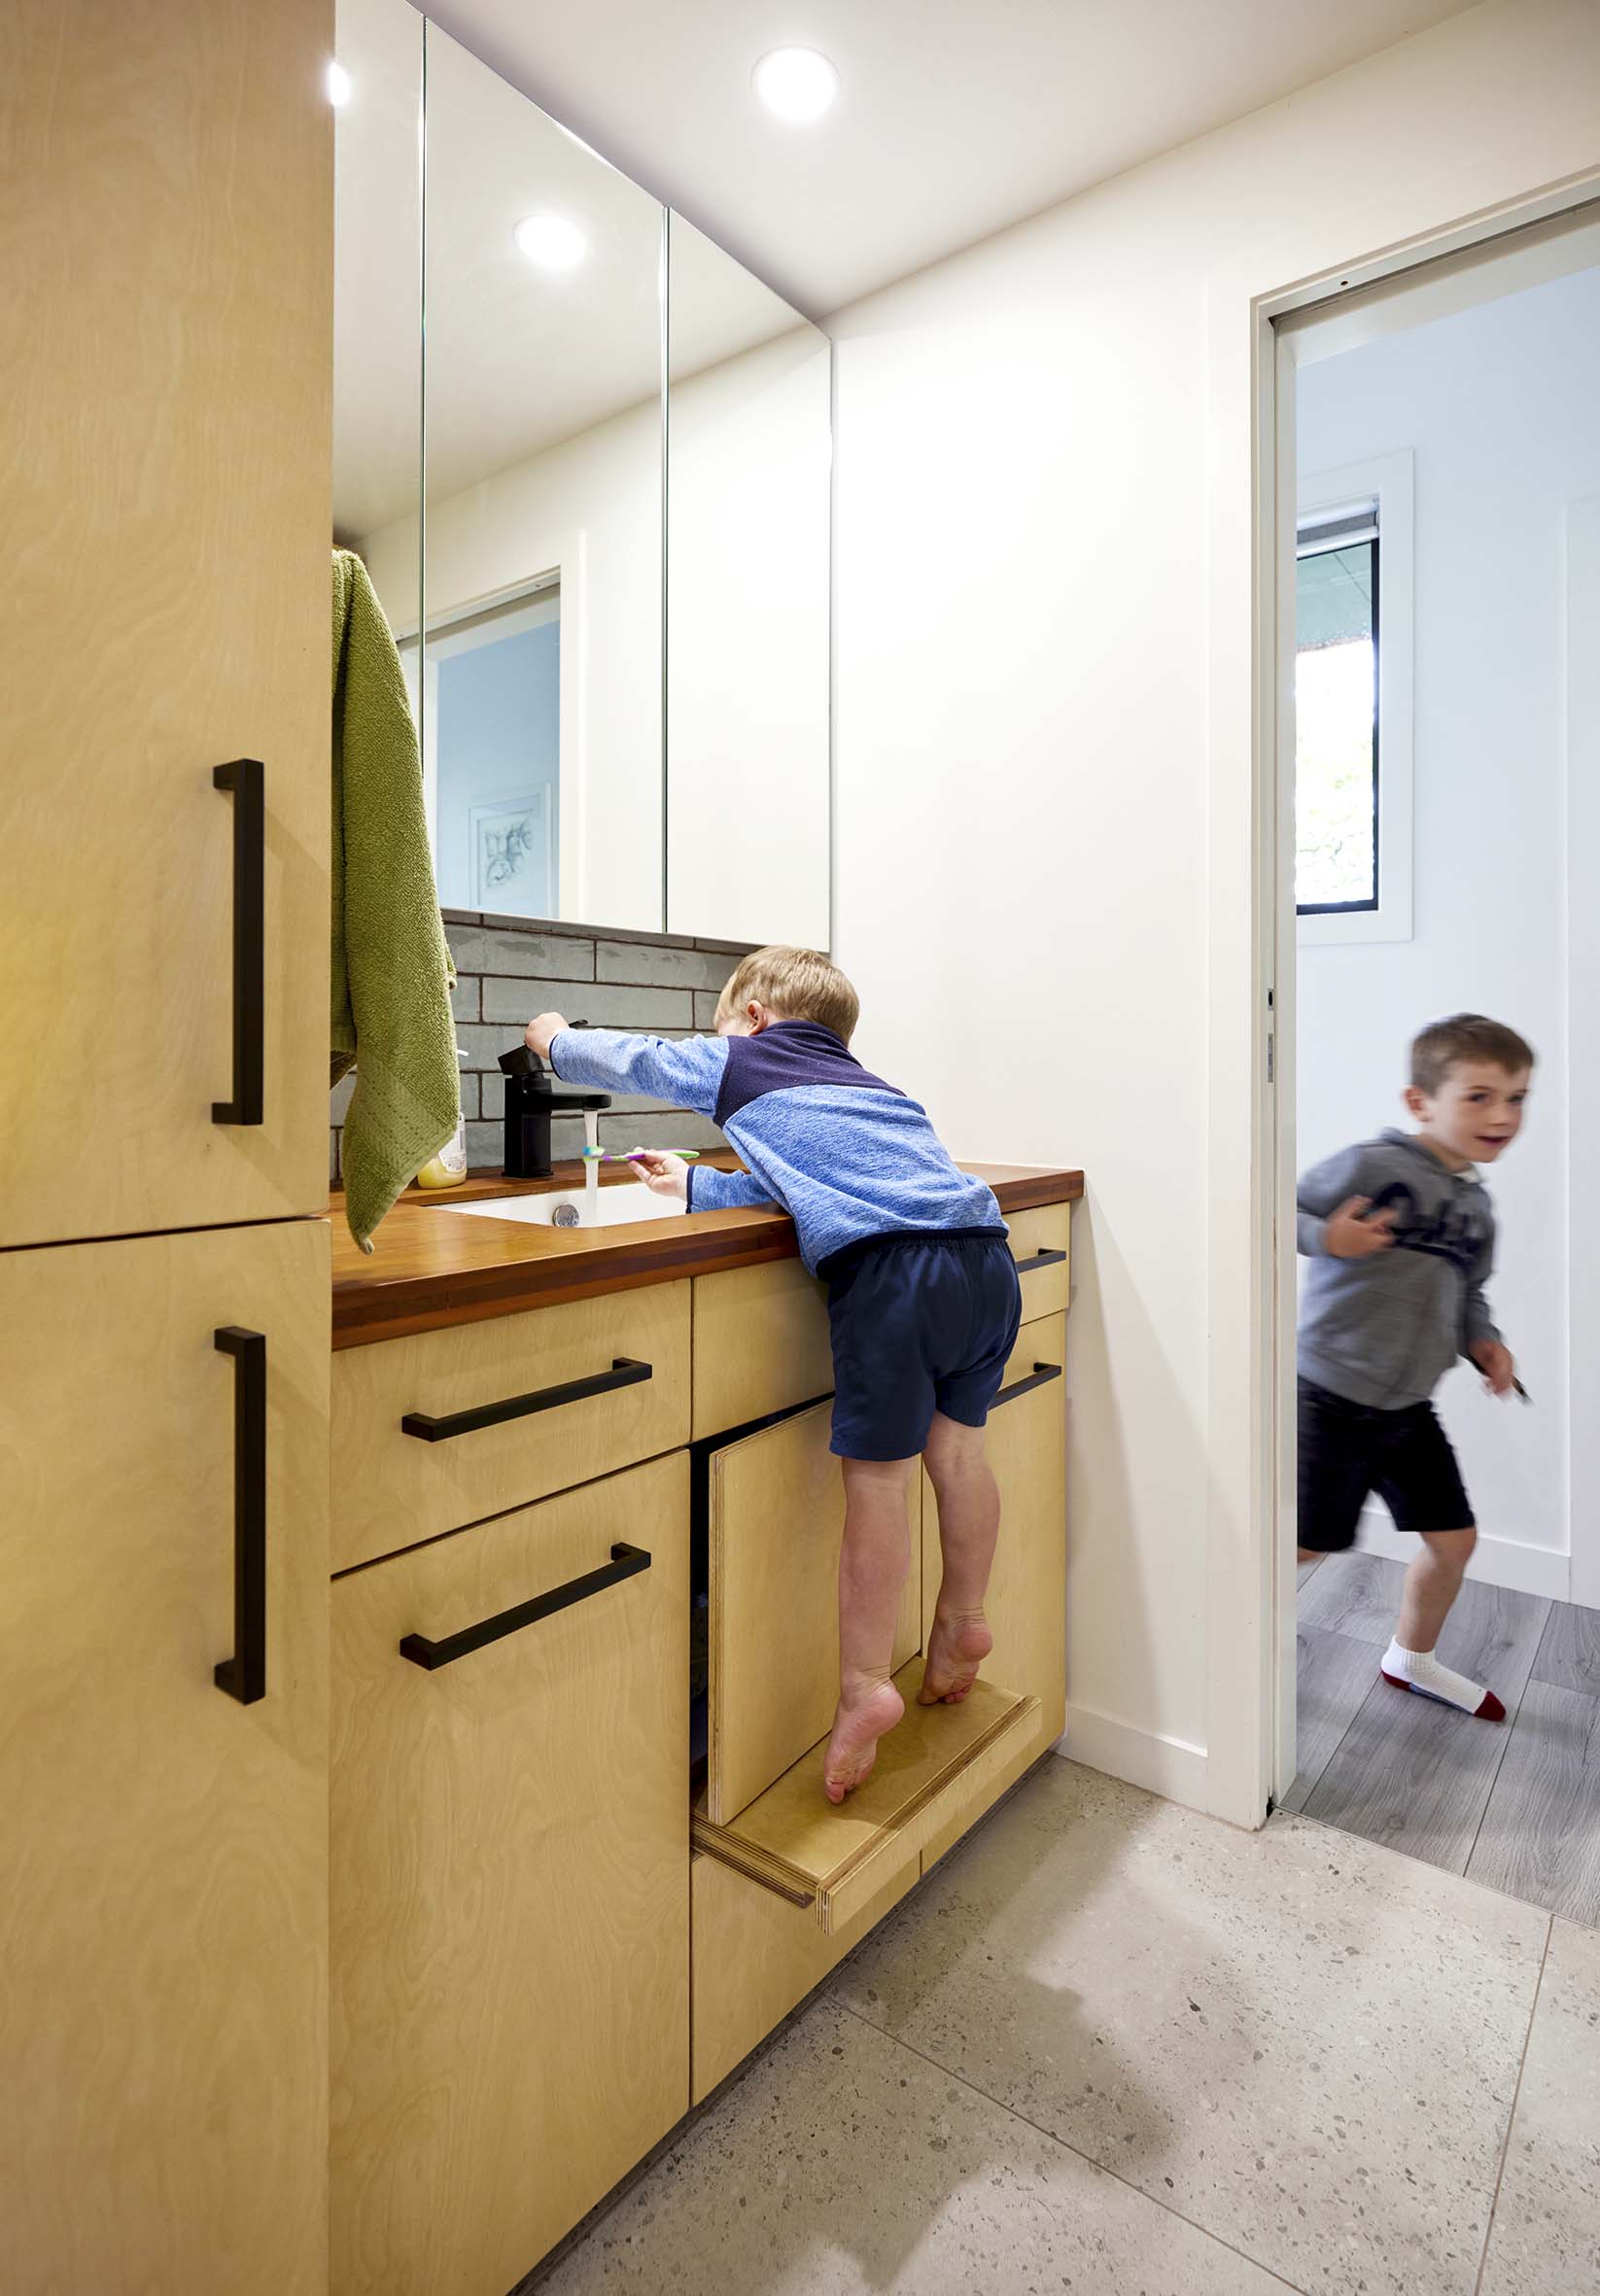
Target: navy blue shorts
921 1324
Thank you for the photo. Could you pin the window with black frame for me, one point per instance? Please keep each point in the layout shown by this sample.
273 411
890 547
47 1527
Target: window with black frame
1337 760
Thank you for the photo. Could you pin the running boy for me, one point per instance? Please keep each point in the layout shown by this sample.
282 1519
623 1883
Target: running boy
1400 1233
924 1302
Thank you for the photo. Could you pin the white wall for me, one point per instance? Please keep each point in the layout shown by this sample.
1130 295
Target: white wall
1498 406
1038 444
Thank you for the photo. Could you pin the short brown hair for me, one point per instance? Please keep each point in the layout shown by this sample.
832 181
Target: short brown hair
1466 1036
800 984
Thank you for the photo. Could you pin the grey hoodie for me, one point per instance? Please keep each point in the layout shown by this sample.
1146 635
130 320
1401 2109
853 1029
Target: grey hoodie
1384 1330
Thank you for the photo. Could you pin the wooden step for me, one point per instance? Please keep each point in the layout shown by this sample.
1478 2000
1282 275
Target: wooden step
832 1857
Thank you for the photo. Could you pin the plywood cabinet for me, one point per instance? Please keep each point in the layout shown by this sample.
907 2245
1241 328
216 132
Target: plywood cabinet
163 1922
168 230
510 1894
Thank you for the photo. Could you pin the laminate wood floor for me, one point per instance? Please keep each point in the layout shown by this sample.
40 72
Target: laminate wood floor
1514 1805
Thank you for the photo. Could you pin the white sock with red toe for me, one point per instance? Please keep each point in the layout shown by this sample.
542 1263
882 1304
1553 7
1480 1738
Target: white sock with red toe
1420 1671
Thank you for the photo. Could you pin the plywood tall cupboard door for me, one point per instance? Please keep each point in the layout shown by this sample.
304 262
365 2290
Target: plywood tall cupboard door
166 243
163 1904
510 1886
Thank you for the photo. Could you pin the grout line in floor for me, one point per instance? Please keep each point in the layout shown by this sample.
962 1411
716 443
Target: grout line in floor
948 2074
1517 2099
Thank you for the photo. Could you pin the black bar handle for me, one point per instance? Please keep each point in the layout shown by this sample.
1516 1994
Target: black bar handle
246 777
1040 1259
626 1563
244 1675
1043 1373
625 1372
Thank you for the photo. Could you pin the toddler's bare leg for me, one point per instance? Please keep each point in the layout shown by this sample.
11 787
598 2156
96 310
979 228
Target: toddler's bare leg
872 1573
969 1526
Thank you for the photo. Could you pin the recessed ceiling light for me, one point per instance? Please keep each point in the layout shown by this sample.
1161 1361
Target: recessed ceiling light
796 83
551 242
338 84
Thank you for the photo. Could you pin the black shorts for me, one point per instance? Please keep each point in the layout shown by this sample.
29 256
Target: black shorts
1348 1449
920 1323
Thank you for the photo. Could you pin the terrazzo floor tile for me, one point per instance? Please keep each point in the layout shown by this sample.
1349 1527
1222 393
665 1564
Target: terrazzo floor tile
1304 2044
1546 2237
843 2165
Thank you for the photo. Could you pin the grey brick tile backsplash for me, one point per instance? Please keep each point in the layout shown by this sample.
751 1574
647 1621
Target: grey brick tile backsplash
508 968
667 968
605 1005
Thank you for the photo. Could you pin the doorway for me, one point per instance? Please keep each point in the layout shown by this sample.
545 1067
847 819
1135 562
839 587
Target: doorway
1438 541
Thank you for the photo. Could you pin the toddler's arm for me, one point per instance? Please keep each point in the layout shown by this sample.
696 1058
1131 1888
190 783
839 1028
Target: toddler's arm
686 1074
712 1191
1480 1324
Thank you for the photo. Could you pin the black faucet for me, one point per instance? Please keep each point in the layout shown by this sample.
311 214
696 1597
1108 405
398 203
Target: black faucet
531 1100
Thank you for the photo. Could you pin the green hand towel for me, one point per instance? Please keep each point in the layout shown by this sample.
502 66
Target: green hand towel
392 970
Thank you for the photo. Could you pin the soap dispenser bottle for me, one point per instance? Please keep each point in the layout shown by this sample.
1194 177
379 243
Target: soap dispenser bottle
448 1169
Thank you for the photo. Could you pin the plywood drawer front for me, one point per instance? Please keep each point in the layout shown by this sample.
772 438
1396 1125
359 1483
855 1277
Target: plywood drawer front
776 1519
760 1345
392 1489
510 1887
1041 1243
755 1956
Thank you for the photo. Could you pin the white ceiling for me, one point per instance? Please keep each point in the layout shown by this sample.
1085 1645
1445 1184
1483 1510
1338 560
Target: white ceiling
954 118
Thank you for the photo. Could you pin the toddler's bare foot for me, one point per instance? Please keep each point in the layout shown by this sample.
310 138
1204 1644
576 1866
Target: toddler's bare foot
956 1650
858 1723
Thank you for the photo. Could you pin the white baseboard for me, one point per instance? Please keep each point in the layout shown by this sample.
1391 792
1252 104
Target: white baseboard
1168 1766
1503 1562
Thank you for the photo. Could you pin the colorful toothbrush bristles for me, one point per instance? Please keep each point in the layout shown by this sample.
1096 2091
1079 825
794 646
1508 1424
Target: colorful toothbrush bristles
633 1154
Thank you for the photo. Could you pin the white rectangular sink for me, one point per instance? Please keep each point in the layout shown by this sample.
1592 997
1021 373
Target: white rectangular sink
620 1206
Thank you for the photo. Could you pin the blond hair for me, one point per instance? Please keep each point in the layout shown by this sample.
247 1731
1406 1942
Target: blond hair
1466 1036
798 984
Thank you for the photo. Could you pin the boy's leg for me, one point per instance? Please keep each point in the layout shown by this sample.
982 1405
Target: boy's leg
873 1562
969 1525
1433 1580
1421 1485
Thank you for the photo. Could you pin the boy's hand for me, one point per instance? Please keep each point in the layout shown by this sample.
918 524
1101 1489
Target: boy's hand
542 1033
663 1175
1349 1236
1496 1363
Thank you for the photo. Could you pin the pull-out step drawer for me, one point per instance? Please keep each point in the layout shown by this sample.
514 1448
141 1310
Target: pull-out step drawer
831 1860
776 1517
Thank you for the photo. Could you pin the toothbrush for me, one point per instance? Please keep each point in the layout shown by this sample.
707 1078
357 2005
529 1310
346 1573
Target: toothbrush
611 1156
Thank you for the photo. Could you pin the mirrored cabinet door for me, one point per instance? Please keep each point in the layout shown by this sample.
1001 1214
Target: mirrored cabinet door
378 299
748 574
543 554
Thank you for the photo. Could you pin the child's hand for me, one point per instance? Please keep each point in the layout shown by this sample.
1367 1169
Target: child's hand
542 1033
663 1175
1348 1236
1496 1363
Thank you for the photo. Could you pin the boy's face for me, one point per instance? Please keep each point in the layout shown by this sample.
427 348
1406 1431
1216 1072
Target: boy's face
1476 1112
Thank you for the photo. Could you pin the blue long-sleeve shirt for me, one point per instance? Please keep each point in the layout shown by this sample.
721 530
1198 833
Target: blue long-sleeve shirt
844 1154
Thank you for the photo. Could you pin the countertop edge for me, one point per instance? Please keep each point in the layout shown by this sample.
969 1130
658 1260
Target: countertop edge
369 1306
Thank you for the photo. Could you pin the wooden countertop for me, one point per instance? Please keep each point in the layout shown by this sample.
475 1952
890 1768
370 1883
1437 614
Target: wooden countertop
431 1267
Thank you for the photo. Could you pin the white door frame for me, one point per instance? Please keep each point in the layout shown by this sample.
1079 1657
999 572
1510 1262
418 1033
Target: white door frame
1251 1289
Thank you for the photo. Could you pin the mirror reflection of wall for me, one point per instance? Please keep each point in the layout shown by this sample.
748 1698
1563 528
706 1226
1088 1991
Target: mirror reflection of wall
748 455
619 670
378 295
